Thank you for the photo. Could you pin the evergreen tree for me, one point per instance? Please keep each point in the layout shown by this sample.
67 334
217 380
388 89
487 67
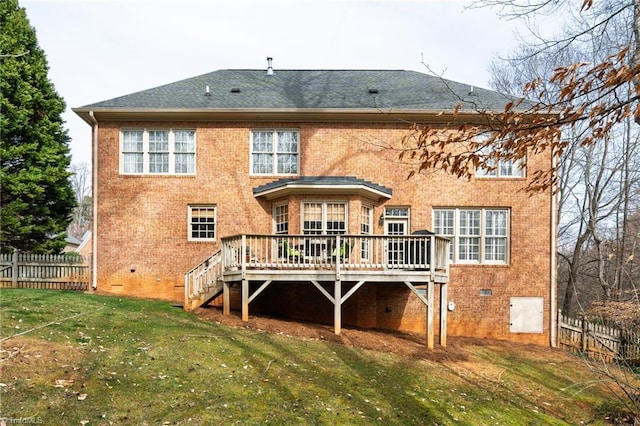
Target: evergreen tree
36 198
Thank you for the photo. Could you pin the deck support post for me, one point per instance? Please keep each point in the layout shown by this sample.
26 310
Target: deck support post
443 313
430 316
226 298
245 300
337 306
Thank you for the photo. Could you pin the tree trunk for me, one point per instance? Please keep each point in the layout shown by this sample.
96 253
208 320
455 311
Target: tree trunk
636 51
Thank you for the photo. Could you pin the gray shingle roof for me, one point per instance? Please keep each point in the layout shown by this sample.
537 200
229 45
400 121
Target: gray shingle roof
334 182
307 89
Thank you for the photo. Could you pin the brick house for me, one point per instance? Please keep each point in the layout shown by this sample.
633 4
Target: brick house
282 190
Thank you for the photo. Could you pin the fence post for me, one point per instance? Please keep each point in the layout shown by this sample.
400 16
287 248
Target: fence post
558 327
89 261
14 269
583 336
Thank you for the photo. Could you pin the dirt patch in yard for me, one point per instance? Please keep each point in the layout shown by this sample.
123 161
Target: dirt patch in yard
403 344
23 360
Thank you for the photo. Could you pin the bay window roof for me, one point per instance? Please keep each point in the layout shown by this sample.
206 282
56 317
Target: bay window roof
322 185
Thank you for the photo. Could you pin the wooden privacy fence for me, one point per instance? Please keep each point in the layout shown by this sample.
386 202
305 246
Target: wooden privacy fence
56 272
599 341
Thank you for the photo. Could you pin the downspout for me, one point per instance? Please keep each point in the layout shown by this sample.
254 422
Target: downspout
94 202
553 278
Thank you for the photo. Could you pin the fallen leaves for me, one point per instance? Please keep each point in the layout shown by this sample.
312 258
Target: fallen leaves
63 383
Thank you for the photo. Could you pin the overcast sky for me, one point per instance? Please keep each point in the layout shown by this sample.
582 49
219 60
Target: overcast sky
101 49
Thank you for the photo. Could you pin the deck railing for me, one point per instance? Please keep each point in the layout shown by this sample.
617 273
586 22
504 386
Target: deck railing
375 252
203 280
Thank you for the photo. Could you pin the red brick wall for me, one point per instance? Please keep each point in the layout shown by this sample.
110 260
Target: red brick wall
142 246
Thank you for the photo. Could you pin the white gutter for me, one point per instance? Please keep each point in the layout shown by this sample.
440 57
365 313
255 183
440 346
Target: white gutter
553 278
94 201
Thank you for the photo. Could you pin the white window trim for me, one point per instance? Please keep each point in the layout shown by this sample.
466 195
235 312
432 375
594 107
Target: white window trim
518 166
390 216
324 214
369 222
146 153
365 244
497 172
481 255
190 208
274 216
274 152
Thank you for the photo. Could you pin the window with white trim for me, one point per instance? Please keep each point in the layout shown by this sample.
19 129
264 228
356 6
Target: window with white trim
366 225
396 212
324 217
501 168
275 152
202 223
157 151
281 219
444 224
478 235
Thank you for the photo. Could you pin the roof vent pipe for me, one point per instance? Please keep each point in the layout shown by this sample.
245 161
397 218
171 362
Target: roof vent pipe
269 66
206 91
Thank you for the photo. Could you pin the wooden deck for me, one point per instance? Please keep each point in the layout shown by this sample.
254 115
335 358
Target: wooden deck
411 260
331 257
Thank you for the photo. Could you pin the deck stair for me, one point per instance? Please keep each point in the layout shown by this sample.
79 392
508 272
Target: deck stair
203 283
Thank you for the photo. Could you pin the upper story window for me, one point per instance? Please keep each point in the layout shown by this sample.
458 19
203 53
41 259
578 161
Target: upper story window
202 223
477 235
158 151
501 168
275 152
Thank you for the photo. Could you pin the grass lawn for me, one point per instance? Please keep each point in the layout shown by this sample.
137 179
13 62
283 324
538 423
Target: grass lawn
108 360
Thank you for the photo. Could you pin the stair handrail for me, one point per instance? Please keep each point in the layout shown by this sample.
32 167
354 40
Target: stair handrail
203 276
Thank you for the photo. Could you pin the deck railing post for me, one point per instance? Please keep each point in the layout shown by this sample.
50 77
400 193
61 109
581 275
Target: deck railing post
338 254
243 256
432 257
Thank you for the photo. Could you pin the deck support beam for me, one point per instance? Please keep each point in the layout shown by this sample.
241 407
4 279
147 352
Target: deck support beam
353 290
323 291
428 302
245 300
444 290
259 290
337 306
337 299
226 298
430 314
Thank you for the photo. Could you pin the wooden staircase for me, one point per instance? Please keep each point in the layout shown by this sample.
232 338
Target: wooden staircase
203 283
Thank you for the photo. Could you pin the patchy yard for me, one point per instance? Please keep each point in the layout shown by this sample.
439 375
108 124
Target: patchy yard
109 360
